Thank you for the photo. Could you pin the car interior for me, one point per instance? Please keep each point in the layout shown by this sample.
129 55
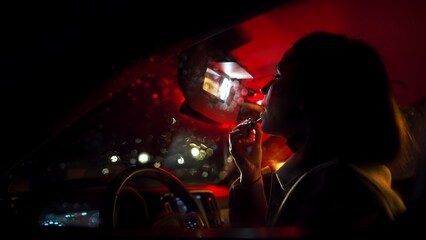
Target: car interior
143 150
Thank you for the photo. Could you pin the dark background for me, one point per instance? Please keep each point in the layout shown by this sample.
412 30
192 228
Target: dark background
55 53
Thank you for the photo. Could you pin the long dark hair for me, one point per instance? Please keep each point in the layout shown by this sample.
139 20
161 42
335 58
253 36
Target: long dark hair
347 100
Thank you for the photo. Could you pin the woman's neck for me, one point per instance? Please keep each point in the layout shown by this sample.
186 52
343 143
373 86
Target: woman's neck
296 141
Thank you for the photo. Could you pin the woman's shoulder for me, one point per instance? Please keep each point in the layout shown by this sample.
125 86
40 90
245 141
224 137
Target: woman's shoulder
337 172
365 187
338 177
339 195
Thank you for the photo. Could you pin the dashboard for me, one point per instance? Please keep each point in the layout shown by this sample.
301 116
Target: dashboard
81 209
71 219
207 202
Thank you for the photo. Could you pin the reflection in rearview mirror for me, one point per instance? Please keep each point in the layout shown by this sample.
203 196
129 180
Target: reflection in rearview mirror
212 88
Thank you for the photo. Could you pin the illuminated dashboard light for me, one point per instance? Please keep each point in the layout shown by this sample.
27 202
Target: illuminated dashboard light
181 160
55 223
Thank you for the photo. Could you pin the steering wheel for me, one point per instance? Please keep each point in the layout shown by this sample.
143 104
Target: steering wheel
192 219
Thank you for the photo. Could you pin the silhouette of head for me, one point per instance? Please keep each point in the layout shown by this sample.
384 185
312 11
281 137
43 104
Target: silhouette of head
340 99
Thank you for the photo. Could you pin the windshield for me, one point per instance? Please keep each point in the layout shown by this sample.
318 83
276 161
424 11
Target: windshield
140 124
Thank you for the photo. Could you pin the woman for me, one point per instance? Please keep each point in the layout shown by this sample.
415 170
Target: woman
331 100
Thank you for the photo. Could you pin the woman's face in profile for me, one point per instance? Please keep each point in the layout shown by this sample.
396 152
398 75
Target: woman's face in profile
282 106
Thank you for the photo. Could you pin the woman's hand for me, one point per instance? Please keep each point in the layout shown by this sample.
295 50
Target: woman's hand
245 147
